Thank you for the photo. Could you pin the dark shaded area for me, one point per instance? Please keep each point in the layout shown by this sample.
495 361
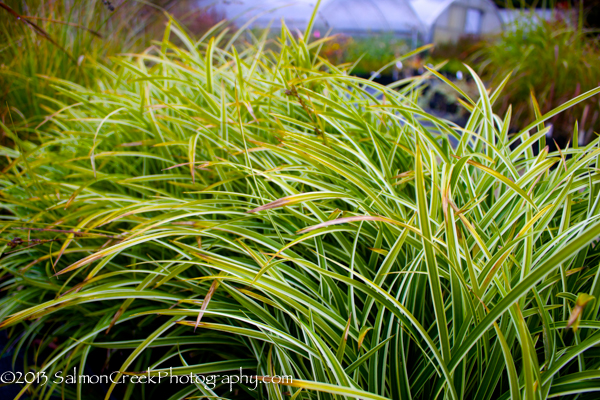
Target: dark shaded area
103 362
6 356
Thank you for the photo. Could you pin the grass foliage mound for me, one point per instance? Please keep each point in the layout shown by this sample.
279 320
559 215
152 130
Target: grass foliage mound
208 209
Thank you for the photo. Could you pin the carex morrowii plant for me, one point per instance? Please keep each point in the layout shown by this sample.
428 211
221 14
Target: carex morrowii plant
222 205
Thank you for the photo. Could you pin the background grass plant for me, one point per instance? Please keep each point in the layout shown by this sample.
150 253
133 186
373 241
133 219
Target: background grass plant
552 61
367 54
209 207
65 39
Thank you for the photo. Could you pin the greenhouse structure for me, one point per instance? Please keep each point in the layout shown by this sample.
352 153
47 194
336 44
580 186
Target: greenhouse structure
448 20
420 20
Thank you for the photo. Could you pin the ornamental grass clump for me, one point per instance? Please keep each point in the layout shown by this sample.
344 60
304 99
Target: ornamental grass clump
222 205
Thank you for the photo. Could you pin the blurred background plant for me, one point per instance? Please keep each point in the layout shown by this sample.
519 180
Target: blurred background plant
369 52
454 54
64 39
552 61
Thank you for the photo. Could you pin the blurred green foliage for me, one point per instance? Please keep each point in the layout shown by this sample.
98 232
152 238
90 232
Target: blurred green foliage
372 52
64 39
553 61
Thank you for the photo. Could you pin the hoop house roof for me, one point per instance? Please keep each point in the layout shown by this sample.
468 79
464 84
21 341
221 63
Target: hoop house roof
350 16
448 20
429 10
371 16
